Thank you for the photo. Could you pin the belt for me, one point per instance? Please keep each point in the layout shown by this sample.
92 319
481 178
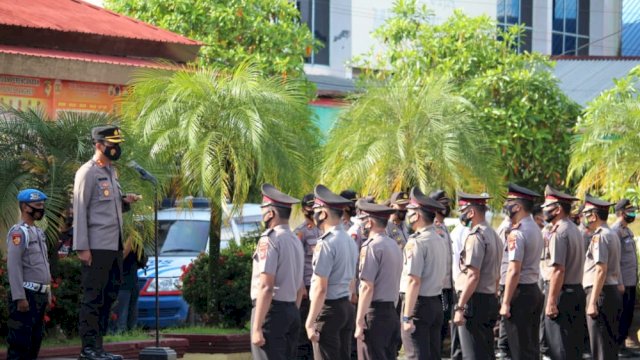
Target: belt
274 302
382 305
39 288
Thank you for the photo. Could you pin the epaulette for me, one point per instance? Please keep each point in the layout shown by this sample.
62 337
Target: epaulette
516 226
325 235
598 231
475 230
266 232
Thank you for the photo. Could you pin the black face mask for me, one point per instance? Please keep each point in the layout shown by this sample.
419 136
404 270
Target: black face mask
267 223
316 218
112 152
308 214
69 221
465 219
548 216
509 210
446 212
401 214
364 229
629 219
36 214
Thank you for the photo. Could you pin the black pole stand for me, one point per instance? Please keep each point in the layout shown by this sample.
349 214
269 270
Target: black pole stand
156 352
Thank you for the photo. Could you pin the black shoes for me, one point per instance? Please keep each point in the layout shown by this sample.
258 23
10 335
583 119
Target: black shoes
97 354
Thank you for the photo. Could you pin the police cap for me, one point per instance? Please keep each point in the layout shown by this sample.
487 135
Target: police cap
274 197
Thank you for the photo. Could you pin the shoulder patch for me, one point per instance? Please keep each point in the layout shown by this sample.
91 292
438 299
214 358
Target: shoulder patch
408 249
511 240
263 247
595 238
363 255
16 237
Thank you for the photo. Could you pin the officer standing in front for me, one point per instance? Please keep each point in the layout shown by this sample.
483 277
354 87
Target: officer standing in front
29 278
277 284
476 310
626 214
396 228
447 289
98 203
377 323
425 262
563 261
308 233
522 299
330 322
602 280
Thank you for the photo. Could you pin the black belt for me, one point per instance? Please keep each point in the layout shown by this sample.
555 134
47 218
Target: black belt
383 305
334 301
420 297
528 285
275 302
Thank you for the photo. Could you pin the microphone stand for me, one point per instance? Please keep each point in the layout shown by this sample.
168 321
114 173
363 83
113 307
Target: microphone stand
157 352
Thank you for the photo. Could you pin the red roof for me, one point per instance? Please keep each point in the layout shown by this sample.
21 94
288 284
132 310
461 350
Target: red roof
68 55
75 16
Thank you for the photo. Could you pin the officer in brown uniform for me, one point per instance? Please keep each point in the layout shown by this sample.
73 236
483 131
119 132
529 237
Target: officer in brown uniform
503 343
98 203
522 300
626 214
425 261
277 283
330 322
447 287
29 278
377 323
476 311
396 228
602 281
563 262
308 233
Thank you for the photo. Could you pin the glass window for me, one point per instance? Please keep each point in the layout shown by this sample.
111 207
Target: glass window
316 14
570 34
514 12
183 237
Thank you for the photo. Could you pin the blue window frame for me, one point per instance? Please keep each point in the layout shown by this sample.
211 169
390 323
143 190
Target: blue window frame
570 29
517 12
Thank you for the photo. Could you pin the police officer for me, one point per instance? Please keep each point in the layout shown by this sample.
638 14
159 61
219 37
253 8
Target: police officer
350 211
626 214
522 300
29 278
476 310
503 343
396 228
563 263
277 284
602 280
447 287
98 203
308 233
377 323
330 322
425 261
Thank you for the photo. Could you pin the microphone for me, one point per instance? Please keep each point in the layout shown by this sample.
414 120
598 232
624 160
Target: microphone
144 175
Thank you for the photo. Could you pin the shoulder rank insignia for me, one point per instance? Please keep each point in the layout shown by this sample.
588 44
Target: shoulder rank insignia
267 232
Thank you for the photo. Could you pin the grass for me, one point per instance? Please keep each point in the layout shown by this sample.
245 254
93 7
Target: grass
204 330
53 341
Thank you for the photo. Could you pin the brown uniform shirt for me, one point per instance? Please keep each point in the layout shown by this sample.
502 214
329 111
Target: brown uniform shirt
425 257
381 264
308 234
482 251
604 248
565 247
628 257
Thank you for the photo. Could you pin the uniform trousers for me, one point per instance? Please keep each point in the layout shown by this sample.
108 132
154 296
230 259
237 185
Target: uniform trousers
100 283
523 327
603 329
335 325
305 352
628 305
26 329
424 342
281 330
381 333
456 350
503 343
447 306
564 334
476 335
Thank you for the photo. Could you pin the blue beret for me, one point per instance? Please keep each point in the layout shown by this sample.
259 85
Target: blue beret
31 195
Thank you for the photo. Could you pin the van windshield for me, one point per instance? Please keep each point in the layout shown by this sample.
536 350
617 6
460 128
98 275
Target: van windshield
183 237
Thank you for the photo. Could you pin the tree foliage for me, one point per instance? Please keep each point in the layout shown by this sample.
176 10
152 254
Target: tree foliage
224 130
606 148
267 31
516 99
406 132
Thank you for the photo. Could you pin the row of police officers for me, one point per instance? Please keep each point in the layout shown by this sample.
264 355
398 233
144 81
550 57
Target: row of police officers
387 281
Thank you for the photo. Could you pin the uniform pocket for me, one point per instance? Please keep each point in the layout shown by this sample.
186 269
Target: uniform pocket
105 189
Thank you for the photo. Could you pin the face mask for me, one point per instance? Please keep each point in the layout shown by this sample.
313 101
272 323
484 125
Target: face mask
350 211
365 229
410 218
509 210
308 214
629 217
267 222
112 152
446 212
36 214
586 221
401 214
316 218
548 216
465 219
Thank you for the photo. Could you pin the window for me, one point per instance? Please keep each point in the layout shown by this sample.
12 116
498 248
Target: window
517 12
570 35
315 13
630 28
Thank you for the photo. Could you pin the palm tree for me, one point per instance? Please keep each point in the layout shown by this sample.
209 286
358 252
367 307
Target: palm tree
225 129
606 149
39 152
409 131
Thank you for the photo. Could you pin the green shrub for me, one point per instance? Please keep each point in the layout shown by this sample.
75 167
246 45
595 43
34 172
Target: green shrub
232 294
66 295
